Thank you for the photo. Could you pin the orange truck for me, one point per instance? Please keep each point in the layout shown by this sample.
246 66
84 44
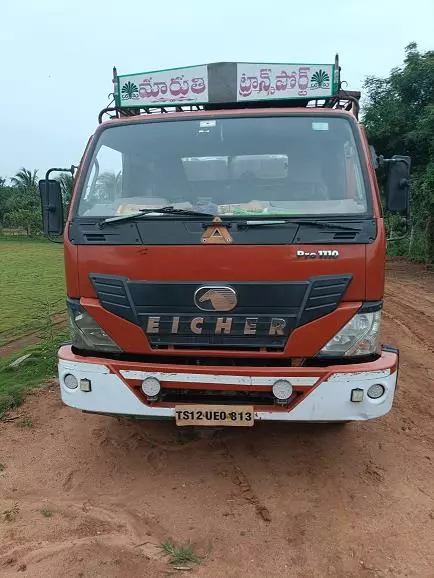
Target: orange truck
225 251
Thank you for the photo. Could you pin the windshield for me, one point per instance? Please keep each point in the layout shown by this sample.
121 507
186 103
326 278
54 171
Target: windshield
279 165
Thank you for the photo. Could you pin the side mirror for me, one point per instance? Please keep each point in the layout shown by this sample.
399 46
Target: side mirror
52 207
398 185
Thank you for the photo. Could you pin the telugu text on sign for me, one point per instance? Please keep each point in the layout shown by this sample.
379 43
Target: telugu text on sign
182 85
280 81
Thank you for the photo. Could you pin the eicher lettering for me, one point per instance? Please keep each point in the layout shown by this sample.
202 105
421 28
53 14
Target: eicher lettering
217 325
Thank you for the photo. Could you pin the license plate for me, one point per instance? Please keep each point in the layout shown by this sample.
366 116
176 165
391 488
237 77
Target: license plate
215 415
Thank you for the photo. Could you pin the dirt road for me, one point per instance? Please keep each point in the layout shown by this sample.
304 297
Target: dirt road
92 496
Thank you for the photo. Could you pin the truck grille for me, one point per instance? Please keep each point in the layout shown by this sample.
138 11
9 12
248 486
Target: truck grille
264 316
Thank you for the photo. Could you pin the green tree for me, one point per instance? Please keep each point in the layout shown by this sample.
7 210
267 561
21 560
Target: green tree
66 181
399 119
4 198
25 179
29 219
23 204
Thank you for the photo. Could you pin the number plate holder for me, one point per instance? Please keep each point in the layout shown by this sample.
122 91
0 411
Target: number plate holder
215 415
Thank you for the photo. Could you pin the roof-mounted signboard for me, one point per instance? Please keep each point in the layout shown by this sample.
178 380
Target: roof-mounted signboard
226 82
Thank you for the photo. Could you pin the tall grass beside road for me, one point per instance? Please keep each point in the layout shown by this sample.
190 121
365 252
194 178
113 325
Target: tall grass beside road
32 287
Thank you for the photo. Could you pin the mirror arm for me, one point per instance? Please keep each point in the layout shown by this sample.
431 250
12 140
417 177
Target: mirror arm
51 207
407 227
70 170
383 162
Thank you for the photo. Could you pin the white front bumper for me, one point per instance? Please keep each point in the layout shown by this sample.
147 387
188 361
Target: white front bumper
329 401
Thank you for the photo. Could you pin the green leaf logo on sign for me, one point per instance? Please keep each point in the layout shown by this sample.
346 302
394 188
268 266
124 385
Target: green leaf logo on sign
129 91
320 80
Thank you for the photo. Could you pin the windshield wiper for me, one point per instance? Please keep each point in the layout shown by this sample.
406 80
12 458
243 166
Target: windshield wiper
243 224
309 223
156 212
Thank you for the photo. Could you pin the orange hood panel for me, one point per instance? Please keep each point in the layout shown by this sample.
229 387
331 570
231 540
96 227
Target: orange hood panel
222 263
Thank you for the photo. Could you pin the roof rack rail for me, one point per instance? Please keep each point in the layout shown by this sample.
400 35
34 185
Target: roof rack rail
231 85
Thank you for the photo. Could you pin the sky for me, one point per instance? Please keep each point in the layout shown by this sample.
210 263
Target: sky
56 56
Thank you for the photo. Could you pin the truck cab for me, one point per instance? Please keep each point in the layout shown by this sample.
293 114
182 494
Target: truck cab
225 251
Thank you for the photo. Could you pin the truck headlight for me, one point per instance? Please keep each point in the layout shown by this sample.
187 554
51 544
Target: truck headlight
85 331
358 337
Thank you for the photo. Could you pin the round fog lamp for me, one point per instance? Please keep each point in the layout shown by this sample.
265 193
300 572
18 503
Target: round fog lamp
70 381
376 391
282 389
151 386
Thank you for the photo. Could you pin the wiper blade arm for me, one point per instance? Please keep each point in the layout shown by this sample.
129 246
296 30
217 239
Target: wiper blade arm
156 212
173 211
309 223
170 210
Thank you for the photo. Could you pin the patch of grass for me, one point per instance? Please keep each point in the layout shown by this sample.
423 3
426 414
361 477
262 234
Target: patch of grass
25 422
47 513
183 556
14 382
2 467
11 514
32 279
